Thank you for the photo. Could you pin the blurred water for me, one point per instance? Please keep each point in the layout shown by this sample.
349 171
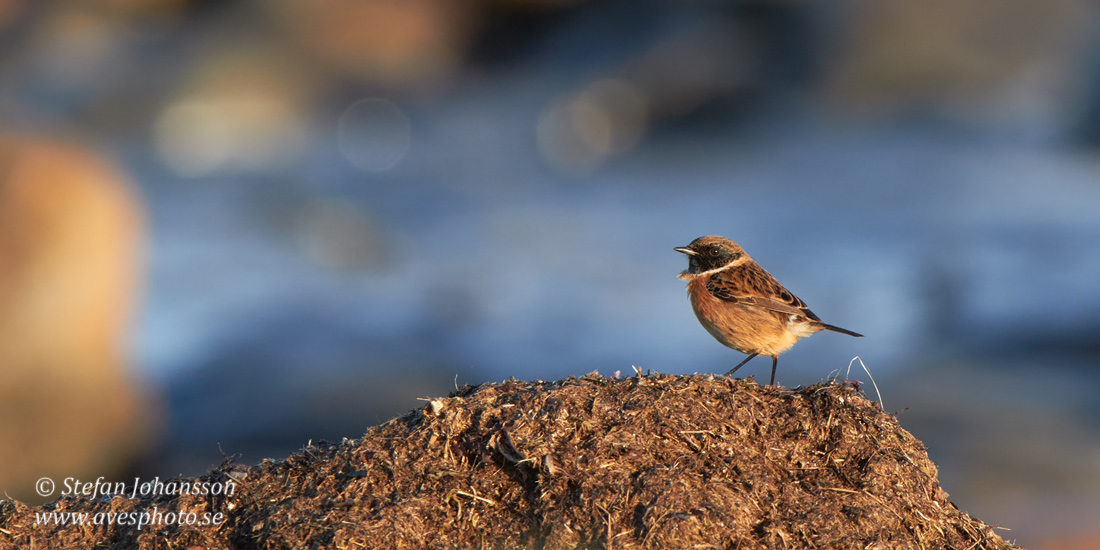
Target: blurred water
918 239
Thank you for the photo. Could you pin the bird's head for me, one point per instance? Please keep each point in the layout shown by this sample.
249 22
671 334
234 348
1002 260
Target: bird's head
709 253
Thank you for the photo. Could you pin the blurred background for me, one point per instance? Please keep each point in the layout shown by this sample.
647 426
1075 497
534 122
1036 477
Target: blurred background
230 227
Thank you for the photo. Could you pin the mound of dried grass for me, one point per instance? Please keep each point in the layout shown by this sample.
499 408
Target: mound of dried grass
650 462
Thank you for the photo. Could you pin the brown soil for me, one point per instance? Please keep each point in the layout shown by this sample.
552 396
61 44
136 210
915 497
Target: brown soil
652 462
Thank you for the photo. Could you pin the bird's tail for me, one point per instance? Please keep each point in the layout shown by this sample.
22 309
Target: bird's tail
841 330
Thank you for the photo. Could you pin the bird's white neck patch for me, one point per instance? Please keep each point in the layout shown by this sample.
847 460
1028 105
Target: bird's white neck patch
739 261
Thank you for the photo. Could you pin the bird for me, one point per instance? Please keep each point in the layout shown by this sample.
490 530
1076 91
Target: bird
741 305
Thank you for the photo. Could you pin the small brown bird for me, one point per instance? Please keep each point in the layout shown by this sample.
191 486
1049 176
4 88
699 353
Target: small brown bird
742 305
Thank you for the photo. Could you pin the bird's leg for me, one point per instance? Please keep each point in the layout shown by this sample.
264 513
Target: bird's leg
775 361
742 363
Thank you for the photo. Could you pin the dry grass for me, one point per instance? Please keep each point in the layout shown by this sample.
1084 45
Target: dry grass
644 462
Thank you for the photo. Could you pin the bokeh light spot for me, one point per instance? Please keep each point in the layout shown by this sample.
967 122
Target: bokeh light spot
577 133
374 134
192 139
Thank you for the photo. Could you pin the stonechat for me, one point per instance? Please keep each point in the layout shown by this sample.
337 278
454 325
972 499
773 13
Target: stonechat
743 306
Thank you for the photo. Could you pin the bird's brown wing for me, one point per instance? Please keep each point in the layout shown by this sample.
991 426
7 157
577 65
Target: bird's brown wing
750 285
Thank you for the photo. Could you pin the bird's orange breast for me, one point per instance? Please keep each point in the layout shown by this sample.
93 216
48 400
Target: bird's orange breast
746 329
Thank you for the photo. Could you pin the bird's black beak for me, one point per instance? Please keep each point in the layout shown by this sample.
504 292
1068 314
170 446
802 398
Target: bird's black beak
685 250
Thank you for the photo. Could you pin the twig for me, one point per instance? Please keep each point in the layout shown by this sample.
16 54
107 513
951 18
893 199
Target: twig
856 358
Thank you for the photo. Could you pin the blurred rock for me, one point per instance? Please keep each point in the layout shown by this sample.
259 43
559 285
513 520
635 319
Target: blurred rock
241 110
70 231
973 60
9 12
405 44
1084 542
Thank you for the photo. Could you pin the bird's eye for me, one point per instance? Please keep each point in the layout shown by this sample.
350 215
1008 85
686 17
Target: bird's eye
716 251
